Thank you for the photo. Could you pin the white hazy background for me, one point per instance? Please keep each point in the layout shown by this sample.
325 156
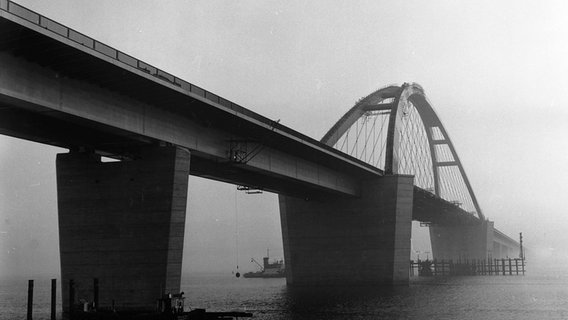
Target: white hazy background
496 73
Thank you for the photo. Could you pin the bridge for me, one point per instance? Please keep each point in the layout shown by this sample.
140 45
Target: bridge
346 202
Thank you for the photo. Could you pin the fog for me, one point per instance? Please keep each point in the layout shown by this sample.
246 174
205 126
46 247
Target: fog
495 73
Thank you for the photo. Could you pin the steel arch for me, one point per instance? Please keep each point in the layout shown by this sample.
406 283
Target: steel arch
394 99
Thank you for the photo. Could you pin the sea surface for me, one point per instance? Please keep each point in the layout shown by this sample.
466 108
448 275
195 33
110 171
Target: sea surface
533 296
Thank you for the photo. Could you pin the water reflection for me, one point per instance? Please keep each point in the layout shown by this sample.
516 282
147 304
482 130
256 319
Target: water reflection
483 297
541 296
344 303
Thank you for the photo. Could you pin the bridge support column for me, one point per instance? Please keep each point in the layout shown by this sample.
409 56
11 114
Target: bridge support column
462 242
122 223
339 241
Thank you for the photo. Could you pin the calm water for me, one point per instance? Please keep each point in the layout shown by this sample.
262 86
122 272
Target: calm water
484 297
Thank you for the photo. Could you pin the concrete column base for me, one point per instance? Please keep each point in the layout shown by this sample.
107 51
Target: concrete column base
122 223
462 242
347 242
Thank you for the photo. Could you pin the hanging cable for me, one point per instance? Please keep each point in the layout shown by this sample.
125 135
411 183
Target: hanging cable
237 273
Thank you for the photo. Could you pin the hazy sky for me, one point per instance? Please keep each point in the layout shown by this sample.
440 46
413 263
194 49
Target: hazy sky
495 72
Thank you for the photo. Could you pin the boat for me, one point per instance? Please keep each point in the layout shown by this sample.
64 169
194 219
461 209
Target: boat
274 269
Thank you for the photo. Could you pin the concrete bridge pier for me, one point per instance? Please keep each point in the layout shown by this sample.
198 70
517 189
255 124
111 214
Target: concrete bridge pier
122 223
455 242
350 241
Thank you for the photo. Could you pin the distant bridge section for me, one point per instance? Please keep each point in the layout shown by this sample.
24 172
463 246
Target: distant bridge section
505 246
396 129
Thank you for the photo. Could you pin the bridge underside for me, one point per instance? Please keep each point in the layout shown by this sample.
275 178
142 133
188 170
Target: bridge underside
430 209
457 234
471 241
462 242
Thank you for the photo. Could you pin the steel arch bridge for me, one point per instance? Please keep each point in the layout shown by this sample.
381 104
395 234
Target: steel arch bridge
396 130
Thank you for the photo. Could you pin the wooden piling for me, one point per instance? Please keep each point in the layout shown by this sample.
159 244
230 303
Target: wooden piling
510 268
96 292
435 267
497 267
53 297
477 267
30 298
71 298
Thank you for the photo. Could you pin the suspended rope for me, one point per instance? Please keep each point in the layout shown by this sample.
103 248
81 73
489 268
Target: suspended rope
367 136
381 157
345 140
237 273
354 150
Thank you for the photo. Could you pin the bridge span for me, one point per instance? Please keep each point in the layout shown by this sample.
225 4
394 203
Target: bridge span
346 202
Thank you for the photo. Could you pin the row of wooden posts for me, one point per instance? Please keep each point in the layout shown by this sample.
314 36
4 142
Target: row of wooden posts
504 266
31 298
421 268
54 297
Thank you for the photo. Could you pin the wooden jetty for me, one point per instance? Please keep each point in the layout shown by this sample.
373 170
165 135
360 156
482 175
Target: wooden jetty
474 267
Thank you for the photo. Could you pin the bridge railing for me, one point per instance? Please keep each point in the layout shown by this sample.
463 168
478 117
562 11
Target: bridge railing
108 51
86 41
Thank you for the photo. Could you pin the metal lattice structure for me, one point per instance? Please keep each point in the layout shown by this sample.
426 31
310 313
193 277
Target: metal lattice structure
396 129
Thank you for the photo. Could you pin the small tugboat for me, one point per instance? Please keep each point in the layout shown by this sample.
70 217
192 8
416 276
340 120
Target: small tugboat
275 269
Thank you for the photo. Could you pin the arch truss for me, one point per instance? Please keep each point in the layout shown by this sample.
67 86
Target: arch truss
396 129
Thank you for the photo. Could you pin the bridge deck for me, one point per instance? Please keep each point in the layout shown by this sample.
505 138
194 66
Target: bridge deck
73 56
